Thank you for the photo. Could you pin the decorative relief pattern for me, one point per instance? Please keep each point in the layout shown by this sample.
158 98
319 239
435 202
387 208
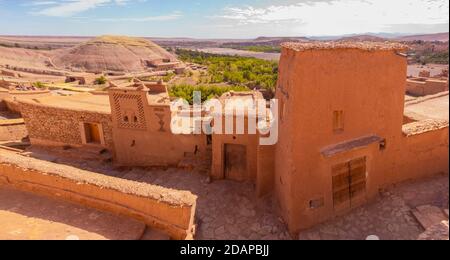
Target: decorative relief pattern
133 116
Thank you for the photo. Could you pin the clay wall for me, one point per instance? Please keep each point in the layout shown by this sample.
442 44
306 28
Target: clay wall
146 139
218 152
426 87
4 93
422 153
12 105
265 170
366 89
62 126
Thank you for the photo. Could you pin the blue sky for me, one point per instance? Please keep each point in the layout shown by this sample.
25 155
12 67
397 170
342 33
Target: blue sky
222 18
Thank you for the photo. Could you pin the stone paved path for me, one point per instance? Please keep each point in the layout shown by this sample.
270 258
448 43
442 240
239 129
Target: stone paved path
389 217
226 210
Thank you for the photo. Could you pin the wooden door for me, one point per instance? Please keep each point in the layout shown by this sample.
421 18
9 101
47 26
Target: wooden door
357 182
349 184
92 133
235 165
341 186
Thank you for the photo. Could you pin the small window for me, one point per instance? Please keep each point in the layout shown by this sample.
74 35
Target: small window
383 145
135 119
338 121
125 119
318 203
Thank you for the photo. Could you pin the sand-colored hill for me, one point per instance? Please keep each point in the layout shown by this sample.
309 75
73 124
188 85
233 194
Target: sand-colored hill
441 37
110 53
23 57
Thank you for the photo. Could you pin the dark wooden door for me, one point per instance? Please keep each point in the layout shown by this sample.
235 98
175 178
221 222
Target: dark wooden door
235 162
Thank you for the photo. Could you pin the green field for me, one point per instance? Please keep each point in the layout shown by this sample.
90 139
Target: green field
207 91
257 48
236 71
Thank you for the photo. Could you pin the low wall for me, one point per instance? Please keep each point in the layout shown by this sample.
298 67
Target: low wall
424 150
12 130
169 211
37 71
427 87
12 105
4 93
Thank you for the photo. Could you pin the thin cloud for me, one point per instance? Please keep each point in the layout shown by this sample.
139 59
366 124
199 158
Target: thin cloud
341 17
69 8
169 17
40 3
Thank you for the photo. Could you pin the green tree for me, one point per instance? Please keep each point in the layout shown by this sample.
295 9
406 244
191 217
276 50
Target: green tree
101 80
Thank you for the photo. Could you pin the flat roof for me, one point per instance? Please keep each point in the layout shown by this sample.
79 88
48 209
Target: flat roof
366 46
80 102
429 107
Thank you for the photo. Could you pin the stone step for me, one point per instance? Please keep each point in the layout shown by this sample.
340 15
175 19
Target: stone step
428 215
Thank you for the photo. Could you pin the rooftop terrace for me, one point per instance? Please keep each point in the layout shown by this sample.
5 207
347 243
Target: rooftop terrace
429 107
80 102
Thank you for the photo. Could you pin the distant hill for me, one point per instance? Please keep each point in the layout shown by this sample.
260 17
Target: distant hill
110 53
361 38
281 39
441 37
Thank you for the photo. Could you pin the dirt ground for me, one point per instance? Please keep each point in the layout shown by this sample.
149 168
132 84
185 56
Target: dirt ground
435 69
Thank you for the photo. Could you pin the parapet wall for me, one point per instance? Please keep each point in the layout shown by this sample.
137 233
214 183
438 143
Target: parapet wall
424 87
169 211
11 105
424 150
